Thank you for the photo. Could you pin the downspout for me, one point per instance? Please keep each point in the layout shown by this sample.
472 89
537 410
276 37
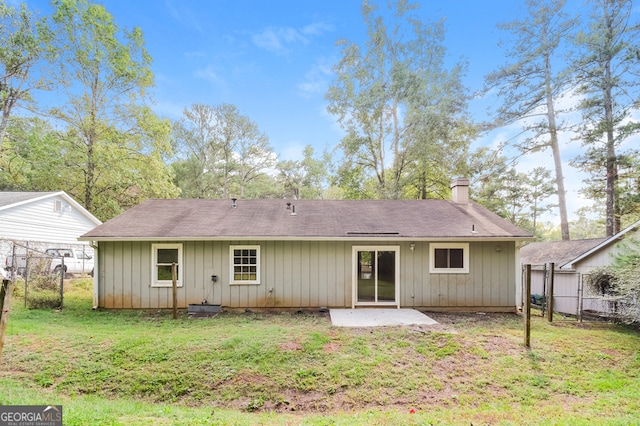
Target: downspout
96 275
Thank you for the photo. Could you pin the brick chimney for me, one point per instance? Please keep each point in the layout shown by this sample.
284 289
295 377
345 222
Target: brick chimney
460 190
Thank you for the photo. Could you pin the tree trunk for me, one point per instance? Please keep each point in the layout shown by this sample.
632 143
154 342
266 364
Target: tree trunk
3 130
612 223
612 178
90 177
397 172
380 163
555 149
6 112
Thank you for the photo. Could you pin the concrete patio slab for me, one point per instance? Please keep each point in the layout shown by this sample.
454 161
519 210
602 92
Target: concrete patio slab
374 317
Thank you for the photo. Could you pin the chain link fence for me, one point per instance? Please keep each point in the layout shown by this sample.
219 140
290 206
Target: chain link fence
599 298
40 268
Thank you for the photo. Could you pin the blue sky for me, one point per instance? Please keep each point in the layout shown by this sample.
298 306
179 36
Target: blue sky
273 60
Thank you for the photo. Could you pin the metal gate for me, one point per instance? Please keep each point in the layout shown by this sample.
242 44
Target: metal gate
35 281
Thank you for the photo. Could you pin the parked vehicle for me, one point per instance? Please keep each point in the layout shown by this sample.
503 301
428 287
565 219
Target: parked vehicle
76 261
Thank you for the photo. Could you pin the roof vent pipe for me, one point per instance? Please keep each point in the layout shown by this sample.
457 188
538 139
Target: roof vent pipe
293 210
234 204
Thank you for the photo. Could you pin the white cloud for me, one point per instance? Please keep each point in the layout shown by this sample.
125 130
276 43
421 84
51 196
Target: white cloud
281 40
294 151
215 80
207 73
168 109
317 29
316 80
278 40
196 54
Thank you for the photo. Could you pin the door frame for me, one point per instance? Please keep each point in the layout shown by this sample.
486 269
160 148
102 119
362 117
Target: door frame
354 275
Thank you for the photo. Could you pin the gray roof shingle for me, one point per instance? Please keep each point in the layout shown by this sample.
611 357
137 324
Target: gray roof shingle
558 252
190 219
8 198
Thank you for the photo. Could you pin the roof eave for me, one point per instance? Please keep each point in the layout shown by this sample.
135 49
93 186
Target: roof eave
611 240
313 238
37 196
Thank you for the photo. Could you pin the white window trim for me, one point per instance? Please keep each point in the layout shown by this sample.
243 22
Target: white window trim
354 275
155 282
231 265
465 258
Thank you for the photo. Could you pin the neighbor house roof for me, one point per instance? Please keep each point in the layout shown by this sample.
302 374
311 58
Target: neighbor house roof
198 219
558 252
11 199
565 254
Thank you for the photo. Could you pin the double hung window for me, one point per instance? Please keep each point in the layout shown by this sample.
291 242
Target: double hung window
245 264
164 256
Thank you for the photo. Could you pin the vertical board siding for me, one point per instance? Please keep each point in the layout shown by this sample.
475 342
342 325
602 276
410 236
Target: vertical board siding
300 274
313 268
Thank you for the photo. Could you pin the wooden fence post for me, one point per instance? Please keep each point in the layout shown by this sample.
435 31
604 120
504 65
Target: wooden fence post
527 306
552 267
62 284
580 295
5 305
6 291
174 285
543 300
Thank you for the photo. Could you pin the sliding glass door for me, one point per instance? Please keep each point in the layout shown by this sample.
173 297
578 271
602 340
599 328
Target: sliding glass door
376 275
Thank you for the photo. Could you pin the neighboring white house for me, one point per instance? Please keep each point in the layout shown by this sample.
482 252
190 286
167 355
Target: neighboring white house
41 220
573 260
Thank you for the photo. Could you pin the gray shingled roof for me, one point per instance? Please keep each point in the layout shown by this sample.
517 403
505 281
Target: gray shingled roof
193 219
8 198
558 252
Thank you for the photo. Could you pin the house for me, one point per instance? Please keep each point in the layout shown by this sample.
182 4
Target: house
39 220
441 254
573 260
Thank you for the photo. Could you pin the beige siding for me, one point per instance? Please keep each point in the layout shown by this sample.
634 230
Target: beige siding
490 282
601 258
303 274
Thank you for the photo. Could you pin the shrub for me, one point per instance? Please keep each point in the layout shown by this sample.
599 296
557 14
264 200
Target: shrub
43 299
620 282
43 292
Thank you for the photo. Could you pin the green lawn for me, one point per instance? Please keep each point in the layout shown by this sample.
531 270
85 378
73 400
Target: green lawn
137 368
